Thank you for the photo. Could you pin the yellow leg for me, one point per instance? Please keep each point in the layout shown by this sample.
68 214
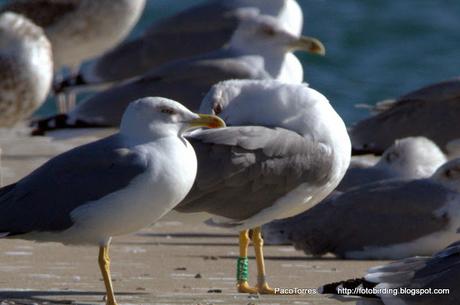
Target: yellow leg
242 265
104 264
262 285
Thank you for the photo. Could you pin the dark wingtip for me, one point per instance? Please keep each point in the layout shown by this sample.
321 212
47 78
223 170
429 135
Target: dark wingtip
365 151
348 287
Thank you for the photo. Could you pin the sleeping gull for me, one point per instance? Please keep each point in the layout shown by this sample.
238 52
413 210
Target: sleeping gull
79 29
411 281
259 49
26 67
408 158
285 149
172 38
382 220
431 112
110 187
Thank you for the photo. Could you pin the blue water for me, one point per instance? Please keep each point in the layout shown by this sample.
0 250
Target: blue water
375 49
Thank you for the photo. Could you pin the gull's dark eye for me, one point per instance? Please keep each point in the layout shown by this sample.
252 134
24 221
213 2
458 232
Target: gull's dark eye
392 156
269 31
452 173
217 109
167 111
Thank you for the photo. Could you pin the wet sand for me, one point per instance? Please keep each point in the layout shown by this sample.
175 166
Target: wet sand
171 262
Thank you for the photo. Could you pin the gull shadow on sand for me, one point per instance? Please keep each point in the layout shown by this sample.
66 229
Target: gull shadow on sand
179 243
30 296
189 235
272 258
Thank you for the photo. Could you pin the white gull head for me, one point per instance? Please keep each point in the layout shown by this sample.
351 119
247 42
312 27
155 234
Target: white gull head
156 117
274 103
265 36
288 12
412 158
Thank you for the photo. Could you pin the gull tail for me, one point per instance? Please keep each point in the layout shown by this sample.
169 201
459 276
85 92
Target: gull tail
59 122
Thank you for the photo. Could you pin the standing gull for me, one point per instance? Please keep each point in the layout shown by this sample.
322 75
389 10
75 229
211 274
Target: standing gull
110 187
383 220
415 275
211 23
259 49
408 158
285 150
431 112
79 29
26 68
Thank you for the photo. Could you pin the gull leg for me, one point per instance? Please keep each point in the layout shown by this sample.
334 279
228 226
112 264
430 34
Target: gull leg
262 285
104 264
61 103
72 95
66 101
71 101
242 273
61 100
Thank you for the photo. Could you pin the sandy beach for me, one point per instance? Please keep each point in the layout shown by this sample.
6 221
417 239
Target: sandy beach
171 262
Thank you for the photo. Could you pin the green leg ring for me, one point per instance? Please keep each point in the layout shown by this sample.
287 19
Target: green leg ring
242 270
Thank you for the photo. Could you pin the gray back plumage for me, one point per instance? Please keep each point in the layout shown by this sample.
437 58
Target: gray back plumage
198 30
374 215
359 176
437 92
242 170
185 81
431 112
43 200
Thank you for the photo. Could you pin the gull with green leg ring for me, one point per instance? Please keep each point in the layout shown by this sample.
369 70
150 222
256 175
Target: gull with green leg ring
284 150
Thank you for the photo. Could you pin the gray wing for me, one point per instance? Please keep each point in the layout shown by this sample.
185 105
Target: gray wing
437 92
242 170
431 112
43 200
374 215
359 176
198 30
43 13
185 81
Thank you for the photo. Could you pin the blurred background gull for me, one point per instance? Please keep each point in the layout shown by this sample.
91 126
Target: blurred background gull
376 50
